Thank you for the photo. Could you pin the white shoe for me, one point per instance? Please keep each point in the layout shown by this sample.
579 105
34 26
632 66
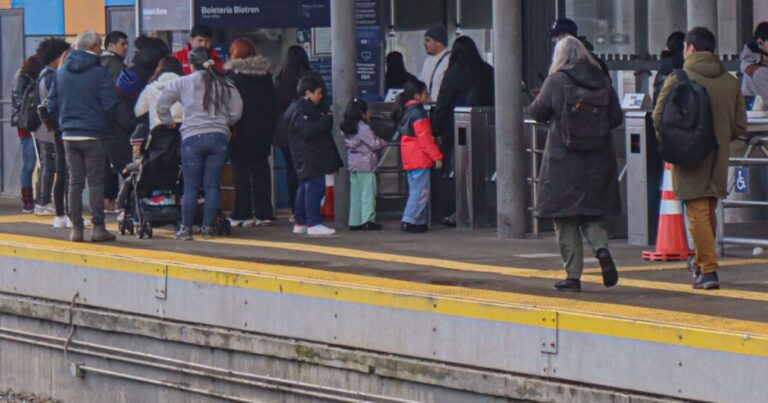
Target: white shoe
263 223
86 221
320 230
62 222
299 229
45 210
240 223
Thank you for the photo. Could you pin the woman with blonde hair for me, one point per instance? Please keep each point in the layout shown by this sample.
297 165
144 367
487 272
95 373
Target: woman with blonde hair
579 176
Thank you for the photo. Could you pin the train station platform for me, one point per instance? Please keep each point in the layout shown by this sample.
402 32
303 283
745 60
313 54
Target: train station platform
453 297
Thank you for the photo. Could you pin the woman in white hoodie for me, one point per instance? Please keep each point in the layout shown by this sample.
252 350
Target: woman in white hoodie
167 71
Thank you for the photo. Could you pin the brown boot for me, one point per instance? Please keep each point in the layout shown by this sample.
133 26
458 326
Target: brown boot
27 200
77 234
100 234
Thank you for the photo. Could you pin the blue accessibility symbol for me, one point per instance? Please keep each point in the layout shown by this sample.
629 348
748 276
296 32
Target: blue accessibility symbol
741 180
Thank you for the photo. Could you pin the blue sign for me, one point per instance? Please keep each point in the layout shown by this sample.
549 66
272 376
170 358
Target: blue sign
741 180
250 14
369 64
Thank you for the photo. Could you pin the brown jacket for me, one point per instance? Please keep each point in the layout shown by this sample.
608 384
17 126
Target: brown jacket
729 118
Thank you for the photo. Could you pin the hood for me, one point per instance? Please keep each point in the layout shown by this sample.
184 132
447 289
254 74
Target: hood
251 65
585 74
297 106
80 61
704 64
164 79
751 54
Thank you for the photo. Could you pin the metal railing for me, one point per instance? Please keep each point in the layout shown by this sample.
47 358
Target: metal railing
533 180
757 142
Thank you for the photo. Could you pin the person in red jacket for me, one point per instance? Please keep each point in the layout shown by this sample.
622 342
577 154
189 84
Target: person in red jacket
199 37
418 152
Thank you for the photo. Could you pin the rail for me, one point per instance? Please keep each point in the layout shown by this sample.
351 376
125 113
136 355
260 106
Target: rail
755 143
533 180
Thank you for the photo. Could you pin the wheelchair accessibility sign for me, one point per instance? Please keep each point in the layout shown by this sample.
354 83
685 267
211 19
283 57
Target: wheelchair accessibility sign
741 180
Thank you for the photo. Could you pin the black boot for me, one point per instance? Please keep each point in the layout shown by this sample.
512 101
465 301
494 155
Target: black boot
100 234
27 200
569 284
610 275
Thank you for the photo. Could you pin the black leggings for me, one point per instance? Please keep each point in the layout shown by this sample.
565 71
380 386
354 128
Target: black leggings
60 183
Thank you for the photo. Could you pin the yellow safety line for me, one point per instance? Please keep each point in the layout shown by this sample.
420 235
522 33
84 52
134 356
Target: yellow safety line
494 269
396 293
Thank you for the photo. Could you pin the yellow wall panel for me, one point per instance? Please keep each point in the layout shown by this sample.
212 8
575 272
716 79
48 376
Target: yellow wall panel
5 4
80 15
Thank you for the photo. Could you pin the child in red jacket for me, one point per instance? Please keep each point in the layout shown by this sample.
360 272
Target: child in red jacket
418 152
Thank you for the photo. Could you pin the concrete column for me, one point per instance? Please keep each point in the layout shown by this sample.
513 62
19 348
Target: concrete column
510 148
664 17
344 77
702 13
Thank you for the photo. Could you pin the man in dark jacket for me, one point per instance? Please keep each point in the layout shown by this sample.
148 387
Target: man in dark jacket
199 37
83 97
115 51
671 59
314 155
701 185
113 58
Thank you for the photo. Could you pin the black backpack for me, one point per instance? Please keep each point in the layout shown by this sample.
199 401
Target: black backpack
27 118
687 135
585 121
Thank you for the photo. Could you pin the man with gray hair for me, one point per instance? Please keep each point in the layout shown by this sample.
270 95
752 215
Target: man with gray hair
83 97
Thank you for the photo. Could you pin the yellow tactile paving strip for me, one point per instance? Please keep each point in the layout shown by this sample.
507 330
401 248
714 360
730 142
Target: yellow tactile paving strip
656 325
476 267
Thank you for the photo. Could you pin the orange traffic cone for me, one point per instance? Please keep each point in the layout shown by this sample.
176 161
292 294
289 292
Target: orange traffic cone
671 239
328 209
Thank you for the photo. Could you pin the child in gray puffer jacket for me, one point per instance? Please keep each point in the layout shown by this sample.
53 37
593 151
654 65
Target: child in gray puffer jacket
362 158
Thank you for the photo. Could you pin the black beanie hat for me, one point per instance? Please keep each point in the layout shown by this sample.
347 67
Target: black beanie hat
438 33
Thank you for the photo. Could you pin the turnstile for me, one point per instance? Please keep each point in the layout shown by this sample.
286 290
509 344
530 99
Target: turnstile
645 170
475 167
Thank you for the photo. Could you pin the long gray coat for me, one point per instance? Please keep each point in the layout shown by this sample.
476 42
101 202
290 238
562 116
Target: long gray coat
575 183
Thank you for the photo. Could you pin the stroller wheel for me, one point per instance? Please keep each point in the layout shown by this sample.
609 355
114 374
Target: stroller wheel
131 228
121 227
226 226
148 230
140 233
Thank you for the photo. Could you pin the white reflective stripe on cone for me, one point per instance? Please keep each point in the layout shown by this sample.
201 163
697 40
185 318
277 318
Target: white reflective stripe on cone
670 207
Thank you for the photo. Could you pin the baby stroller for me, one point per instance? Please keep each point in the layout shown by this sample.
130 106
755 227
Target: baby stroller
154 185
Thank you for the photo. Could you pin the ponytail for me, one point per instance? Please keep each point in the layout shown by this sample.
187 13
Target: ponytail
410 90
217 88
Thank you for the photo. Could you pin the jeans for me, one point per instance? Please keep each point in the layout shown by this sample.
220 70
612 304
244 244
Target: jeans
308 198
293 178
701 220
85 159
202 160
362 198
47 172
568 231
253 186
418 197
60 183
28 160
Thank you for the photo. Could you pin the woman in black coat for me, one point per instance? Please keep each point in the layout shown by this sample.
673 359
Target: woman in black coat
251 143
577 187
467 82
397 75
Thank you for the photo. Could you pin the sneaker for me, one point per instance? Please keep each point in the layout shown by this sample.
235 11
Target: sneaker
44 210
610 275
569 284
355 227
267 222
62 222
693 267
320 230
206 232
291 219
28 208
370 226
86 221
239 223
184 234
412 228
299 229
707 281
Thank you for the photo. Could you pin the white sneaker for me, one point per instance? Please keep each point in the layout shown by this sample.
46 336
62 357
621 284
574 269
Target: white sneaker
62 222
299 229
45 210
240 223
320 230
263 223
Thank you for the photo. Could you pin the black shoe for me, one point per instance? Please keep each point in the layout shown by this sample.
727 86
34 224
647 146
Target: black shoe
412 228
610 275
370 226
569 284
355 227
449 221
707 281
693 267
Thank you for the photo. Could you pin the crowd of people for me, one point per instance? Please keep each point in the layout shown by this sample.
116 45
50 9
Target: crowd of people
95 115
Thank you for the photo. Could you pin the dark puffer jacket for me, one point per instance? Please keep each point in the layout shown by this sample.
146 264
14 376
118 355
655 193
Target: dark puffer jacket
314 152
83 96
254 132
575 183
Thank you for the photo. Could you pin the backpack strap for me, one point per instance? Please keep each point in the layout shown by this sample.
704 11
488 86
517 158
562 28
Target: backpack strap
682 76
